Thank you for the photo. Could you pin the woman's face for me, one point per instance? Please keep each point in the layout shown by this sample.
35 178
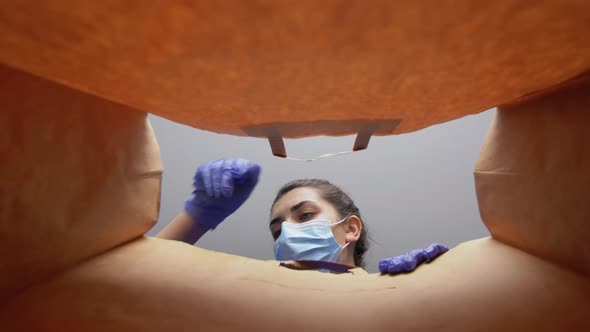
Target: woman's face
304 204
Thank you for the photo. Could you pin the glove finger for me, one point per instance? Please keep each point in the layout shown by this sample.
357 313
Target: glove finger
387 265
204 176
435 250
245 171
253 173
391 265
216 172
395 269
404 264
410 263
239 169
227 181
420 256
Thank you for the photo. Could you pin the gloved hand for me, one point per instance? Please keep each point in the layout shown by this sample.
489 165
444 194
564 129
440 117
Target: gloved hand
221 187
409 261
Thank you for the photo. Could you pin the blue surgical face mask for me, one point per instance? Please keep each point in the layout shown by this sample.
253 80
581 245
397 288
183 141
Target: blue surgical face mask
308 241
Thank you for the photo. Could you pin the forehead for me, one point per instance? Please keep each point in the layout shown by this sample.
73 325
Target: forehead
295 196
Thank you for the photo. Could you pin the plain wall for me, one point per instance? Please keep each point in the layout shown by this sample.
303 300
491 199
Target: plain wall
412 189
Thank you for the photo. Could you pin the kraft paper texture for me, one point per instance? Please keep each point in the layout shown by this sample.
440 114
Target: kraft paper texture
226 65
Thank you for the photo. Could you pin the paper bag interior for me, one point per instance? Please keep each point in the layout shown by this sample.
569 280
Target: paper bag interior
81 172
224 66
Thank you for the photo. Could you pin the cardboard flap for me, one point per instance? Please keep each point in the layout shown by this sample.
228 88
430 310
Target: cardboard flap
78 176
533 176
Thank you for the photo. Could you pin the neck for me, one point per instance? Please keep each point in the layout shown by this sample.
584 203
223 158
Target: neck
347 256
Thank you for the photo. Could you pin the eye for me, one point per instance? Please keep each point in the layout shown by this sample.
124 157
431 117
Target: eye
306 215
276 234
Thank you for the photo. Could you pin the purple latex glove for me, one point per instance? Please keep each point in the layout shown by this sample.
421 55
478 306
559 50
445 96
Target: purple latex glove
409 261
221 187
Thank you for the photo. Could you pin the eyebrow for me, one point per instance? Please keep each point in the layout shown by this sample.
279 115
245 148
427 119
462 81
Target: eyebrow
294 208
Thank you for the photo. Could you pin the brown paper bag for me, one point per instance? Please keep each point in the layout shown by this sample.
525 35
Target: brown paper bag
533 177
226 66
79 175
158 285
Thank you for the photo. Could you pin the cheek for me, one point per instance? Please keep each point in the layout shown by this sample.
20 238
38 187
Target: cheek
339 235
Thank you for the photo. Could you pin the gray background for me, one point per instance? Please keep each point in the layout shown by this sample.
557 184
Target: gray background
413 189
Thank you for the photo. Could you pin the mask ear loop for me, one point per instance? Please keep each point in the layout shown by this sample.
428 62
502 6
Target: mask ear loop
339 222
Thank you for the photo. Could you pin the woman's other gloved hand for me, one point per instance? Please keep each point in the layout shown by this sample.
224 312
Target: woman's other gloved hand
409 261
221 187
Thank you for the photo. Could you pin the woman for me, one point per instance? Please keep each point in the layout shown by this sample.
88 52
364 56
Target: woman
311 220
326 221
314 220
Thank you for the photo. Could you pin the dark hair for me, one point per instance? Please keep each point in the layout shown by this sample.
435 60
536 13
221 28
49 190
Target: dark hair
343 204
